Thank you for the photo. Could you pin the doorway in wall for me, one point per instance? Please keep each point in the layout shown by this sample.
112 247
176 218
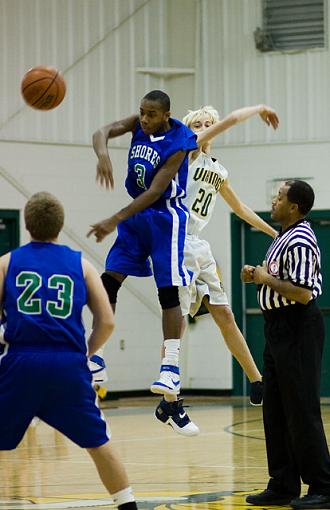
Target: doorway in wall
9 230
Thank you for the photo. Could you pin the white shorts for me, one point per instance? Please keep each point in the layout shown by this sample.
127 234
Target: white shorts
206 279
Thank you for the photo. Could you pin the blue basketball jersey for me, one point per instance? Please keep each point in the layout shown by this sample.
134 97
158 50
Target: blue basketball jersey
44 294
148 153
158 231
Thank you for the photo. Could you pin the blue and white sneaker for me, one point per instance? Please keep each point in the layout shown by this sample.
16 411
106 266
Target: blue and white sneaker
98 368
168 382
173 414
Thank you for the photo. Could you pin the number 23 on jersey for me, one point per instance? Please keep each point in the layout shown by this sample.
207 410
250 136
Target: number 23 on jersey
29 303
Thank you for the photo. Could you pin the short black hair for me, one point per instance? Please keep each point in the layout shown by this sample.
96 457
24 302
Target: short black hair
302 194
159 96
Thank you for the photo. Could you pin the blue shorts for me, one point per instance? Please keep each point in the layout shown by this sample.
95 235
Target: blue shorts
56 387
158 234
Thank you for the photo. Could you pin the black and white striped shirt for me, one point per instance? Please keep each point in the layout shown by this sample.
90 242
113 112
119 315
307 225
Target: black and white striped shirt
294 255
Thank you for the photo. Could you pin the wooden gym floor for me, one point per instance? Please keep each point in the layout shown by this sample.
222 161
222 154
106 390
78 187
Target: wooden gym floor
212 471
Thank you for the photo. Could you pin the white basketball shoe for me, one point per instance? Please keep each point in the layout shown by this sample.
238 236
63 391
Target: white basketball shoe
168 382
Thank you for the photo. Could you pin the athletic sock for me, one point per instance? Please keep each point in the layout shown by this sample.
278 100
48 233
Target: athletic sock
124 499
172 349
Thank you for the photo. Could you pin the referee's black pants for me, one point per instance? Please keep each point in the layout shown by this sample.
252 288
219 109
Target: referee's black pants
295 440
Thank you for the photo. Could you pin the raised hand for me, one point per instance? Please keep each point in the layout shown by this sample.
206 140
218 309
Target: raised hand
269 116
104 172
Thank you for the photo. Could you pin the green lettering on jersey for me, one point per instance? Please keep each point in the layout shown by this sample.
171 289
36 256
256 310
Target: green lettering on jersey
140 170
63 307
31 282
28 304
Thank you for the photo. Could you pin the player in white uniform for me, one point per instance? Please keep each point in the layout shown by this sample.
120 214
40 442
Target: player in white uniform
207 178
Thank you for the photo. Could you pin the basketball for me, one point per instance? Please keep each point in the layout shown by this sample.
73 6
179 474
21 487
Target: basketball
43 87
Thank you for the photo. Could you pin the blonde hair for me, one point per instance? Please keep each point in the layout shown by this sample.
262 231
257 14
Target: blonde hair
194 115
44 216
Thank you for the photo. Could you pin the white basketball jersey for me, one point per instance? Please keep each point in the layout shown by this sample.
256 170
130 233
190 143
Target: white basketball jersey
205 178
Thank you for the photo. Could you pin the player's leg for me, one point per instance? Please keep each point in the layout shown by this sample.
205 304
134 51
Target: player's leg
236 343
170 350
168 356
169 379
112 282
209 291
70 406
20 387
113 475
170 272
170 410
169 226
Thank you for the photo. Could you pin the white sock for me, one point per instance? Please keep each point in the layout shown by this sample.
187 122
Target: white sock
123 496
172 349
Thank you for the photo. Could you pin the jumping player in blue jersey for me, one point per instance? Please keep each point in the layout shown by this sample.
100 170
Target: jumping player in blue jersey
43 362
152 225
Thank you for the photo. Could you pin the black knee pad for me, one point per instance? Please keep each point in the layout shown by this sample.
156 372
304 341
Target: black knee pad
168 297
111 285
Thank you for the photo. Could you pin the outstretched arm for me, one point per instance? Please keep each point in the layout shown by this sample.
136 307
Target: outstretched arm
159 184
4 261
98 303
266 113
243 211
104 171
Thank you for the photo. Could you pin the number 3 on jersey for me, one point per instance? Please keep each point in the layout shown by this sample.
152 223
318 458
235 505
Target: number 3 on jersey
140 171
202 203
29 304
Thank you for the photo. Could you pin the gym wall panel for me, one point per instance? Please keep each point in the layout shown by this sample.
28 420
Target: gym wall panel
235 73
108 51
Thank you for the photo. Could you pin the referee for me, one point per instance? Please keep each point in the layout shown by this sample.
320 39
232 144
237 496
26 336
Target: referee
289 282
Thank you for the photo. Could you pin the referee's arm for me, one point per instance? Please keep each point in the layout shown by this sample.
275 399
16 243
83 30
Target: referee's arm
283 287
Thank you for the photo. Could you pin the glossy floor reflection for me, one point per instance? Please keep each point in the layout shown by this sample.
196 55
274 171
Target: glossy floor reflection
212 471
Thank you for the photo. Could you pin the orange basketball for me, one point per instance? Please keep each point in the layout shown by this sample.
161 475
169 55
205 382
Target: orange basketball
43 87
